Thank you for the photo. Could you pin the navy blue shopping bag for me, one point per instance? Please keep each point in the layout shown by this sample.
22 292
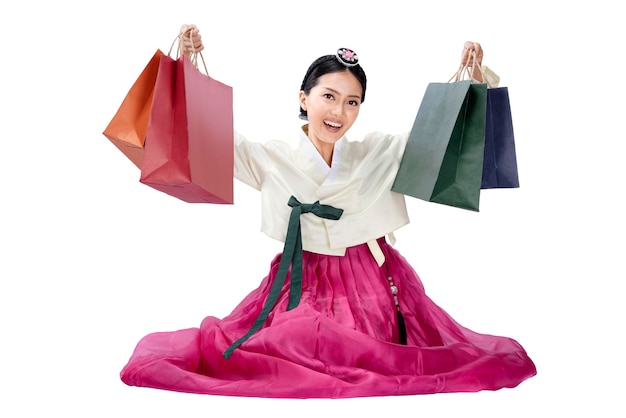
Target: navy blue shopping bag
500 159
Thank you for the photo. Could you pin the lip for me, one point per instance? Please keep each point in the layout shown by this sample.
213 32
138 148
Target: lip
330 124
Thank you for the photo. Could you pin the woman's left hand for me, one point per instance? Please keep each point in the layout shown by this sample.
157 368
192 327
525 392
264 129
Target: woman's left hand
473 57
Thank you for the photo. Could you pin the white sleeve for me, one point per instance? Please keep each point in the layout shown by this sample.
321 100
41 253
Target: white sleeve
492 79
251 161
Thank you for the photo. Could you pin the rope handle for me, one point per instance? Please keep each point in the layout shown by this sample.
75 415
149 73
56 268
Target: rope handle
467 69
194 55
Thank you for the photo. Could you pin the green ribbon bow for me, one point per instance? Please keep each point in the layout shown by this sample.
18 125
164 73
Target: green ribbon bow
292 256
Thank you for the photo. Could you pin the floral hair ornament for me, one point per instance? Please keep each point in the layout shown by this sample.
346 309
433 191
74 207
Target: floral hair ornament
347 57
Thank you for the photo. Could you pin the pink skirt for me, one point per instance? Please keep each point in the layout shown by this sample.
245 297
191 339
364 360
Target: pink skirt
341 341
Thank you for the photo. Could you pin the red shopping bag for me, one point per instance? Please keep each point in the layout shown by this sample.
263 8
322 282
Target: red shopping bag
127 129
189 140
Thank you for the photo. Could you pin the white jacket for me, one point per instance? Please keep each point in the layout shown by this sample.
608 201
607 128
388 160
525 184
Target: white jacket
358 181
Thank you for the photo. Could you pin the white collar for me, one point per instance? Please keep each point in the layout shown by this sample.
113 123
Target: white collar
311 160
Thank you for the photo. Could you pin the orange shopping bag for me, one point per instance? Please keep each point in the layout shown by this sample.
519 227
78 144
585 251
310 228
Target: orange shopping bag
127 129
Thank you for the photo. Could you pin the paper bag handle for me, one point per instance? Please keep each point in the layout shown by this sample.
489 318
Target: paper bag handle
467 69
194 54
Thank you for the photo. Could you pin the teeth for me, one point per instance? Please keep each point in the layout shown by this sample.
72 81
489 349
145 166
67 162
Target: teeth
333 124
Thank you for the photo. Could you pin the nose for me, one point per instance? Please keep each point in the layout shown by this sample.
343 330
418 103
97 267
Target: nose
337 109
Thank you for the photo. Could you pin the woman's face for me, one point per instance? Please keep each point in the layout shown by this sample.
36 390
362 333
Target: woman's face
332 107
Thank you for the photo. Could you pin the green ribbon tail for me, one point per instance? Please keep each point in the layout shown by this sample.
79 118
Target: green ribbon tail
293 233
291 257
295 285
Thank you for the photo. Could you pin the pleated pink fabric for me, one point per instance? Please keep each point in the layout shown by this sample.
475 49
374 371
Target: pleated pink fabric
340 342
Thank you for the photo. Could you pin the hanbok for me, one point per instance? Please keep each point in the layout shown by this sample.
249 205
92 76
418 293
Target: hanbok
357 321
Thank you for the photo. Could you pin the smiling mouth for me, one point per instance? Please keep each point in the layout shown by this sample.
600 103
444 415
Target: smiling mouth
333 124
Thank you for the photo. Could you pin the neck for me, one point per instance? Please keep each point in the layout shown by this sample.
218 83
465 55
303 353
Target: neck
325 150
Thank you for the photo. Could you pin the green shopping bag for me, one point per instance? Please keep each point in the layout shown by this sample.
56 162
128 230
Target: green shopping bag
443 158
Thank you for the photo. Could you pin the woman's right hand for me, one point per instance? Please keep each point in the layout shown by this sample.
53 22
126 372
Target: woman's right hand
190 40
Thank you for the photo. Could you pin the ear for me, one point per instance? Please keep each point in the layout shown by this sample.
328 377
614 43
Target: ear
302 99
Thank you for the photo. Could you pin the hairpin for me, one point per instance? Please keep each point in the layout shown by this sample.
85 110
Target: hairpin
347 57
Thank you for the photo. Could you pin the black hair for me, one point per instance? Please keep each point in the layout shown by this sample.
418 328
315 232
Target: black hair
325 65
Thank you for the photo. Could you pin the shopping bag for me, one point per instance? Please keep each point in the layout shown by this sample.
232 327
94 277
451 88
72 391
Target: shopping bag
189 140
127 128
500 159
443 158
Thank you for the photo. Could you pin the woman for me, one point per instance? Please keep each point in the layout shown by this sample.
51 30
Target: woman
341 313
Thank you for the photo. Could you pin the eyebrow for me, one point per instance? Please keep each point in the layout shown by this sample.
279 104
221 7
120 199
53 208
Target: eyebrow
335 91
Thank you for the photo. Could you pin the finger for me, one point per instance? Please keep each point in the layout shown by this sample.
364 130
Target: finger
188 27
193 36
464 56
472 51
195 44
192 46
478 49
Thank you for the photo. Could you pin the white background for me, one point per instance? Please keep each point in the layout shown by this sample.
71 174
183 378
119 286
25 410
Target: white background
92 260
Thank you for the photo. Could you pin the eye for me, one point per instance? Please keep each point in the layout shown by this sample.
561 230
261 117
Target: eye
353 102
329 96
